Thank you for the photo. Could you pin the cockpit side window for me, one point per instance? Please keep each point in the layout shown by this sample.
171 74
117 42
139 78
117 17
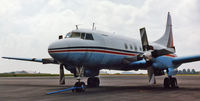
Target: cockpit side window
89 36
68 35
82 35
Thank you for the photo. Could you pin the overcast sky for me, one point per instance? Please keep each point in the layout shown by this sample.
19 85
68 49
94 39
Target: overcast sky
27 27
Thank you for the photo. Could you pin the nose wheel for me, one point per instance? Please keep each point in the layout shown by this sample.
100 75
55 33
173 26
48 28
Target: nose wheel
80 87
170 82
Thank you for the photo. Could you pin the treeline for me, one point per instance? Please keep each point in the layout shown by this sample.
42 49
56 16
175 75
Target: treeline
188 71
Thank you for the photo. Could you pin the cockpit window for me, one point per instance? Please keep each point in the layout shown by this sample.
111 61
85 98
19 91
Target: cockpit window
82 35
68 35
89 36
75 35
85 36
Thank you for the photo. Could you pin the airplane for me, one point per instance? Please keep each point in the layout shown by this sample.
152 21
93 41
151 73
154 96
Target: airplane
84 52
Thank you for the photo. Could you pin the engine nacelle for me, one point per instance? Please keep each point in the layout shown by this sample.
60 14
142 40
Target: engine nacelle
172 71
163 62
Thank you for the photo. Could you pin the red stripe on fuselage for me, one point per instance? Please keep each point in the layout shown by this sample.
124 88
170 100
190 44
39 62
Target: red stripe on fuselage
171 55
91 50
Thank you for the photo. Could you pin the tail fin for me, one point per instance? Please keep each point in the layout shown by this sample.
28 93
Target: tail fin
167 39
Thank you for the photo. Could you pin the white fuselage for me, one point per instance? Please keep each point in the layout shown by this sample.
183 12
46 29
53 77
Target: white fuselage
105 51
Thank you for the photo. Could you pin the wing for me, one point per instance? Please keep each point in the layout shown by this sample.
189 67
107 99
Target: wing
44 60
142 64
180 60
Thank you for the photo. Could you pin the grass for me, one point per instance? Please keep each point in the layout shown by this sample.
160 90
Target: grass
188 74
29 75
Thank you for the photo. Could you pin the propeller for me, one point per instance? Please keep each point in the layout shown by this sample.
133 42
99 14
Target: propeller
151 55
62 75
144 39
145 44
148 50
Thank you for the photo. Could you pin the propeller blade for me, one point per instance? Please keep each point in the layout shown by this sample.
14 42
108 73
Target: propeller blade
62 75
144 39
151 76
149 49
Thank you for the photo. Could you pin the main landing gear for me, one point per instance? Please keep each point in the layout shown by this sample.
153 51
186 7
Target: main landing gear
170 82
93 82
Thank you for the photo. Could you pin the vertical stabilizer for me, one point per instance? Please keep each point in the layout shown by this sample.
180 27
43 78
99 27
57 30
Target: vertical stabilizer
167 39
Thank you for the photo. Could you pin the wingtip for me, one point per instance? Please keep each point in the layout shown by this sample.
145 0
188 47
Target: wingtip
4 57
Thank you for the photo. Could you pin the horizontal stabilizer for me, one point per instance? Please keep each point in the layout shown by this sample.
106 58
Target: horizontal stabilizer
44 61
180 60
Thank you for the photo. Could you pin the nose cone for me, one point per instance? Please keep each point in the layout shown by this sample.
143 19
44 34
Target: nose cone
56 46
68 51
55 49
59 49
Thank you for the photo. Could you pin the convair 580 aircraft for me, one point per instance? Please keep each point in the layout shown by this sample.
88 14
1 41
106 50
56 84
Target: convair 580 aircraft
85 52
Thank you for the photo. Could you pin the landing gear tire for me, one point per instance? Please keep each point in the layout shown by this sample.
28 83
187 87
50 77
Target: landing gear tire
174 83
166 83
80 87
170 82
93 82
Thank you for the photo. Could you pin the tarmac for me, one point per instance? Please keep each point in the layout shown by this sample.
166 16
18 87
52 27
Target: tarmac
112 88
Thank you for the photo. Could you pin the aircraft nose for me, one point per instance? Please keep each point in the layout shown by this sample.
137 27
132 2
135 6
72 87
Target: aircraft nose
57 44
56 47
52 46
57 50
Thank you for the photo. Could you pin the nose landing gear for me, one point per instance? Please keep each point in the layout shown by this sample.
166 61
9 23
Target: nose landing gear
80 86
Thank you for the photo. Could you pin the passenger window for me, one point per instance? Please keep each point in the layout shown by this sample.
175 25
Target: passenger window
131 47
82 35
125 45
135 47
89 37
75 35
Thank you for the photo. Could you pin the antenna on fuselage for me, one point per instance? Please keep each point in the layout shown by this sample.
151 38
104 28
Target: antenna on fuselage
76 26
93 26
